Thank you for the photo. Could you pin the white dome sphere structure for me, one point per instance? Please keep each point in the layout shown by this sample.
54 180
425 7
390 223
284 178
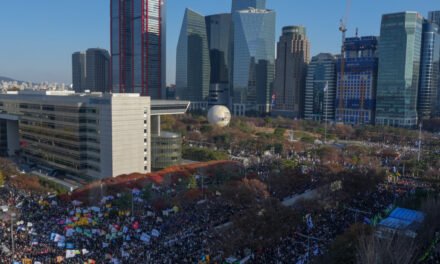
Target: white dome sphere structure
219 115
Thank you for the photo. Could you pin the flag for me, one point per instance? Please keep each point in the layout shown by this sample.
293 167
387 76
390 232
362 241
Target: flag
367 221
155 233
136 192
274 98
27 261
60 259
145 238
326 87
70 254
309 221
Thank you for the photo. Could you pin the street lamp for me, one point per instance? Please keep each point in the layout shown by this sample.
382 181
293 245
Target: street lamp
325 107
12 234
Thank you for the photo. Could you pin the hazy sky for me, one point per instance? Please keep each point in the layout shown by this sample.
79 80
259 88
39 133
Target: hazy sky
37 37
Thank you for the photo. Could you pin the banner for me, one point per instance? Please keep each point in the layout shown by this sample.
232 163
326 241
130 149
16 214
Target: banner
146 238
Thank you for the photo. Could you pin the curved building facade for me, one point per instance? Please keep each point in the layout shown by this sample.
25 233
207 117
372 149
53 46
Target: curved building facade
293 56
166 150
429 72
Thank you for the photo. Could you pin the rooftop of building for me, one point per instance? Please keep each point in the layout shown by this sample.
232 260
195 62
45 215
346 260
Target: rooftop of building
402 219
255 11
158 107
167 134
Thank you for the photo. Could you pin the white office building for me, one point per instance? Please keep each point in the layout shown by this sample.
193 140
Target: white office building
90 135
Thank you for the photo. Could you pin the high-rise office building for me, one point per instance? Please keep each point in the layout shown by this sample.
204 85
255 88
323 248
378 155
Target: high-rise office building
254 58
356 93
219 32
428 97
434 16
245 4
138 47
321 88
293 55
192 59
399 69
79 71
97 68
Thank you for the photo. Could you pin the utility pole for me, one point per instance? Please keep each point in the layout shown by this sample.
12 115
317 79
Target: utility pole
420 142
326 111
308 243
12 235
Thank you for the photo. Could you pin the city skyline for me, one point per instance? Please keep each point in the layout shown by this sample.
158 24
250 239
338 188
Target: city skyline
32 58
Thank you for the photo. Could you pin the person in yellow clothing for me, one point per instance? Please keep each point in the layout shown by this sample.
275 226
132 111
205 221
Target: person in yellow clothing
27 261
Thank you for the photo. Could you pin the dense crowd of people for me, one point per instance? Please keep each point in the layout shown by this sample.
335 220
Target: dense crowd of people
46 229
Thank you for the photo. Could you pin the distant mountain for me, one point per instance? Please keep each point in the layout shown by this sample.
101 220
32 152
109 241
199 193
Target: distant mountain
6 79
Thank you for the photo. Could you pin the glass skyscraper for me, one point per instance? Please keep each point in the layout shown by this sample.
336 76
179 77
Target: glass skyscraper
219 32
356 94
79 71
98 65
399 68
245 4
138 47
429 73
320 88
293 55
254 57
192 59
434 16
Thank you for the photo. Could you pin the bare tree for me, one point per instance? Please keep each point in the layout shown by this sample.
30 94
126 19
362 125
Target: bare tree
397 250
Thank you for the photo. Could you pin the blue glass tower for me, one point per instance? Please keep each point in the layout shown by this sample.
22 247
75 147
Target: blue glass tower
429 72
219 31
320 88
358 89
399 68
254 57
192 60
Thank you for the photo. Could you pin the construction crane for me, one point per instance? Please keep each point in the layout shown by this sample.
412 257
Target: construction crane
343 29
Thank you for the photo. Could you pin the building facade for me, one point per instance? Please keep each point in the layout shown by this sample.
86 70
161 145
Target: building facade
356 93
167 149
434 17
254 58
245 4
428 98
399 69
138 47
79 71
98 70
320 90
91 135
192 59
219 33
3 139
293 56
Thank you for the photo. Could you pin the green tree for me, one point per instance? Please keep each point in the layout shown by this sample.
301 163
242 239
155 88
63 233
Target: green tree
279 132
2 178
192 182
